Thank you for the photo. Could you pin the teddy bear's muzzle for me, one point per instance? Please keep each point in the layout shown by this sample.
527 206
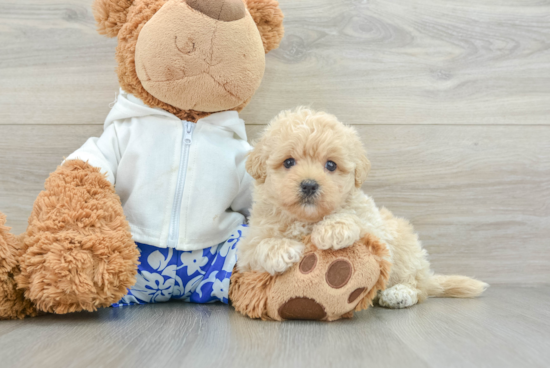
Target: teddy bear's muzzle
201 55
224 10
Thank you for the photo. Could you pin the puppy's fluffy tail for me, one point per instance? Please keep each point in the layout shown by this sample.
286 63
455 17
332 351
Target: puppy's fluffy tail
455 286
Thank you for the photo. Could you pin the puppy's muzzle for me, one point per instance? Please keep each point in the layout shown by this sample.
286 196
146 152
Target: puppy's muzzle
309 188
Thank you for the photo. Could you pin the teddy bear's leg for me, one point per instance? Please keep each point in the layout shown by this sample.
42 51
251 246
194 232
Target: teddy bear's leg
78 252
249 291
13 304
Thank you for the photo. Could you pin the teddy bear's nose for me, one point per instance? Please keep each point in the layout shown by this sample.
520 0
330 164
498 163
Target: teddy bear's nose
224 10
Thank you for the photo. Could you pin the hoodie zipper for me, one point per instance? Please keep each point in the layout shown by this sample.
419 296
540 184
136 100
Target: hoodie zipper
174 229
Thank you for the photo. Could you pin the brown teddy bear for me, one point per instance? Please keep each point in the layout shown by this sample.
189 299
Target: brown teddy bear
173 147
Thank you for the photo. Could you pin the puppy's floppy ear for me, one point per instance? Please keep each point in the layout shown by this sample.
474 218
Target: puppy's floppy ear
362 168
256 162
269 19
110 15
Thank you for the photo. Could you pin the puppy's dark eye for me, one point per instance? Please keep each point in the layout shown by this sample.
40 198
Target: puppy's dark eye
330 165
289 162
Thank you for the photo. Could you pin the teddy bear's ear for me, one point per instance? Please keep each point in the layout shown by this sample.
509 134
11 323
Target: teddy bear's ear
256 162
269 19
361 169
110 15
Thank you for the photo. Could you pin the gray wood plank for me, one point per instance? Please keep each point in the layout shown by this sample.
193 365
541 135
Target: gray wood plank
484 332
370 62
467 333
478 196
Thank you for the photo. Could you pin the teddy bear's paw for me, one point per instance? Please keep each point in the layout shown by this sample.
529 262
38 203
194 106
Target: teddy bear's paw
13 304
67 272
79 253
398 296
316 302
278 255
302 308
334 234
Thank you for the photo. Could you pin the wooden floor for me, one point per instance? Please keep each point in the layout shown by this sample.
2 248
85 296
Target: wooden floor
508 327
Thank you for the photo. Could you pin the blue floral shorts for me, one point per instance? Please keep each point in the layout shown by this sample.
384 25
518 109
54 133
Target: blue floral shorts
200 276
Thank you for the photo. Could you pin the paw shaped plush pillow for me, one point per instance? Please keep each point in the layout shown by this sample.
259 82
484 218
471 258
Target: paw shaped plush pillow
325 285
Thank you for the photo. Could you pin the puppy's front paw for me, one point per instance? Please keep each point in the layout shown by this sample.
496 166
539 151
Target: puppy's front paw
277 255
335 234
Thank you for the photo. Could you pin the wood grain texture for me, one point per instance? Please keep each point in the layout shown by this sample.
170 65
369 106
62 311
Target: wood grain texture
478 195
368 61
506 328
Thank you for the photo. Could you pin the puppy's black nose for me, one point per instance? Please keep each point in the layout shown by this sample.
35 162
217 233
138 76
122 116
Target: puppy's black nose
309 187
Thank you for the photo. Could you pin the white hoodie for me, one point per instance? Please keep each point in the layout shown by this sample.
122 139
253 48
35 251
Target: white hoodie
182 185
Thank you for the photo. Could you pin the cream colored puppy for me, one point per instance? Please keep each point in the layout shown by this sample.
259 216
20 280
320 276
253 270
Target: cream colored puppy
309 169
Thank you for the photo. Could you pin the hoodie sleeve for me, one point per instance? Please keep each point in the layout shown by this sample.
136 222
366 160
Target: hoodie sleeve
103 152
243 201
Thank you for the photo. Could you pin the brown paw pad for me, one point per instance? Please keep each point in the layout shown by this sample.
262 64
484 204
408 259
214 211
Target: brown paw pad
355 294
308 263
302 308
338 273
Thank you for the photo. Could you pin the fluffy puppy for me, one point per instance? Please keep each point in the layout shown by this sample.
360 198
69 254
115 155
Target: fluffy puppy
309 169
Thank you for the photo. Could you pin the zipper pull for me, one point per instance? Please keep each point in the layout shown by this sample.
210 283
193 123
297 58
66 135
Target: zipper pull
188 135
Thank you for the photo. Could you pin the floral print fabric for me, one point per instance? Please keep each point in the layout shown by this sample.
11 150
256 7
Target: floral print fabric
200 276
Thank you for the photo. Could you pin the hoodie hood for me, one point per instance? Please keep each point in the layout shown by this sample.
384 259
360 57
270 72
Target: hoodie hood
127 106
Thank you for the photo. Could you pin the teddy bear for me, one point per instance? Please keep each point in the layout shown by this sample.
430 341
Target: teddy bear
154 208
